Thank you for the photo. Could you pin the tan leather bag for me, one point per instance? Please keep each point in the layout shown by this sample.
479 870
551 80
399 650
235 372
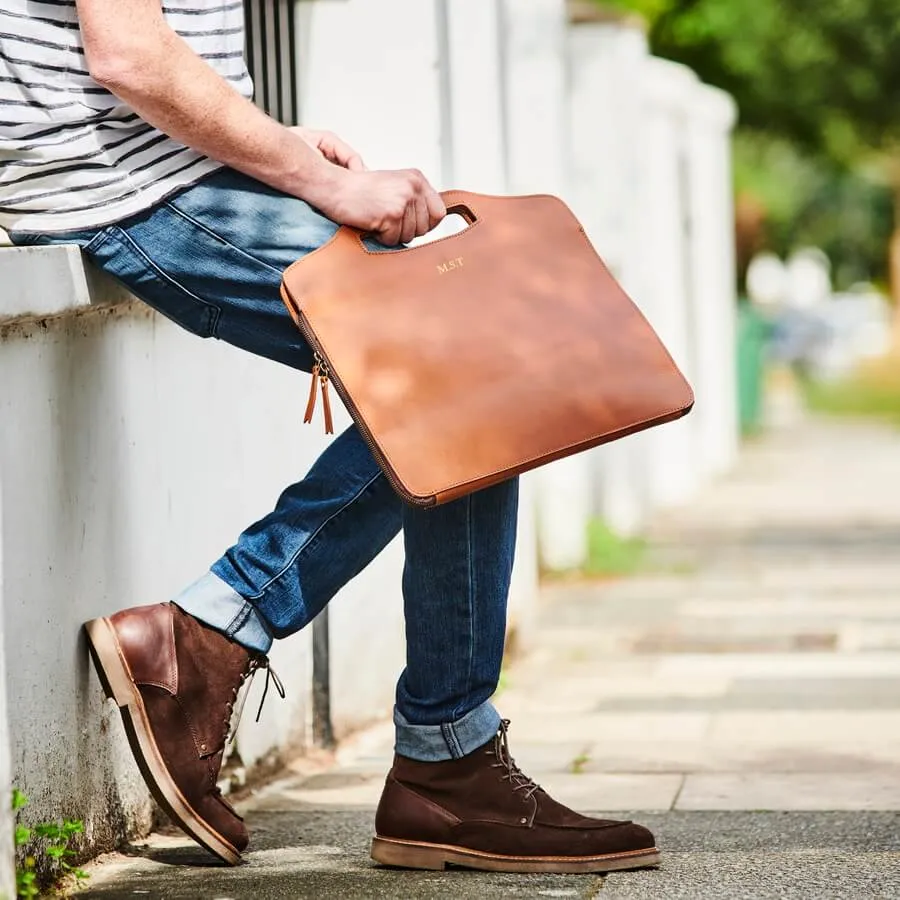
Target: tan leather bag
473 358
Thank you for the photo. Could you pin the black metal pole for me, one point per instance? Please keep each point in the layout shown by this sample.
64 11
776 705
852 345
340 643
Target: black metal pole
323 732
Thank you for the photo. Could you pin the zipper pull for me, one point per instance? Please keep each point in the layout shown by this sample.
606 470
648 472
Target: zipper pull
311 405
319 376
326 403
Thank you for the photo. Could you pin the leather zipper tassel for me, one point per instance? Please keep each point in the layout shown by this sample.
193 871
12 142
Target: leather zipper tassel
326 404
313 389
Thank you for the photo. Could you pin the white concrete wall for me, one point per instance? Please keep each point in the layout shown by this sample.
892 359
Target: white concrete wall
132 455
651 182
606 105
476 94
371 73
713 115
7 863
539 161
672 473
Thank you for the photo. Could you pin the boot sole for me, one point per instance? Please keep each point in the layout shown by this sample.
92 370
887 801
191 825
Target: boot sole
417 855
118 684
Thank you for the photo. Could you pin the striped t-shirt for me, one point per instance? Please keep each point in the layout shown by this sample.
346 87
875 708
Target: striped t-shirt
74 156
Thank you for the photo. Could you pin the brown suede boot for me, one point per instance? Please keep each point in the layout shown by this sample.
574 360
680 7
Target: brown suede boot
482 812
176 682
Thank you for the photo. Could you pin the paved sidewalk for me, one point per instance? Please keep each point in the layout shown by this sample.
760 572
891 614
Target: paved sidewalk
742 698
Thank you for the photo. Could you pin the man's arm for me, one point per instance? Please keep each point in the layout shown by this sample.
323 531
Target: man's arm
132 51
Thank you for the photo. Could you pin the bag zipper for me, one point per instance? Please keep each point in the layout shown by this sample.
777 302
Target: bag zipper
322 376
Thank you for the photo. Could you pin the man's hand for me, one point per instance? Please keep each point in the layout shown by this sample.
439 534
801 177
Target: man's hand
394 206
332 148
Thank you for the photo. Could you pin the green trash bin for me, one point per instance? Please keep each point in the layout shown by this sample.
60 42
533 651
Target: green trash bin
751 350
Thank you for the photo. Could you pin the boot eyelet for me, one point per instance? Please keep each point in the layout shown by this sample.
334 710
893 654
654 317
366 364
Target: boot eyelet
523 821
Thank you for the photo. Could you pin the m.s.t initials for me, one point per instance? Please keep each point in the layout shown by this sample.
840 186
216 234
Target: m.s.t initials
450 265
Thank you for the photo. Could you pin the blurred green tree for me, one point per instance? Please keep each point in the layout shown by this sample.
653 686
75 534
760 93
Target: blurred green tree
823 76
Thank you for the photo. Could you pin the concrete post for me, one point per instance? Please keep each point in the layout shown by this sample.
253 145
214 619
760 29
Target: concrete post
475 87
346 52
538 157
7 860
666 280
536 88
607 53
714 301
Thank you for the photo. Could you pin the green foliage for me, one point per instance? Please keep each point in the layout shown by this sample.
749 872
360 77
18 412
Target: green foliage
611 554
817 85
649 10
53 841
810 202
821 74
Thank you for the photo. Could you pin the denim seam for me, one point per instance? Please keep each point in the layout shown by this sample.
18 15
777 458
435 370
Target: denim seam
212 310
289 565
189 218
97 241
452 741
240 620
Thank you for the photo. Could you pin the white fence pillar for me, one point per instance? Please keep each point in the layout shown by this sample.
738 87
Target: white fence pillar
475 84
712 116
538 158
7 862
538 153
606 58
376 86
666 284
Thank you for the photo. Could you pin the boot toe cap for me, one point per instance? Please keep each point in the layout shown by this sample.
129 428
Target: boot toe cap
631 836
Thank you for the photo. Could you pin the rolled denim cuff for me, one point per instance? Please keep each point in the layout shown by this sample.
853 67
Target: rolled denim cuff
452 740
218 605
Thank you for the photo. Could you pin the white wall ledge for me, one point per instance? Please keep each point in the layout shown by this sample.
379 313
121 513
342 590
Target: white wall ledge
39 282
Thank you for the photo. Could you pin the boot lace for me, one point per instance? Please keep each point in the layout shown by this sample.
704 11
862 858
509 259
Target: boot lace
256 663
514 775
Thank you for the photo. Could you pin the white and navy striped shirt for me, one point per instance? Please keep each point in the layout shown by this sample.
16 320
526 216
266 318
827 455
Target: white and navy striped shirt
74 156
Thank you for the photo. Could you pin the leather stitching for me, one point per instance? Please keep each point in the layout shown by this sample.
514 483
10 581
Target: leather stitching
173 656
190 724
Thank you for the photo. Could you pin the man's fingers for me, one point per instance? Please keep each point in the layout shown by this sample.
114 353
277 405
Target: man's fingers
389 236
346 156
339 152
409 229
423 220
437 212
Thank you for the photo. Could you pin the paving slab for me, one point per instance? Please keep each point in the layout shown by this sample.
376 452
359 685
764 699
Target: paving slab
791 791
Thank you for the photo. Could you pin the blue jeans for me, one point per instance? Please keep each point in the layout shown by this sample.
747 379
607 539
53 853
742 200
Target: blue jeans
211 259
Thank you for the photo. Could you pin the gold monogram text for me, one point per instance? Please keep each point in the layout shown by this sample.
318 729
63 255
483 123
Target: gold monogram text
450 265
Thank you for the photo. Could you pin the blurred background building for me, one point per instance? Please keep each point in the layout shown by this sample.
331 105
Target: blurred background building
738 181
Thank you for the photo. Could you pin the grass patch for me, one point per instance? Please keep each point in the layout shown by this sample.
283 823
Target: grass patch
576 767
611 554
873 392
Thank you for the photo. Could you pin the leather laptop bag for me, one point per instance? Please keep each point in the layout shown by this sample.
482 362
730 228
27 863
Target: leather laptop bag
482 355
